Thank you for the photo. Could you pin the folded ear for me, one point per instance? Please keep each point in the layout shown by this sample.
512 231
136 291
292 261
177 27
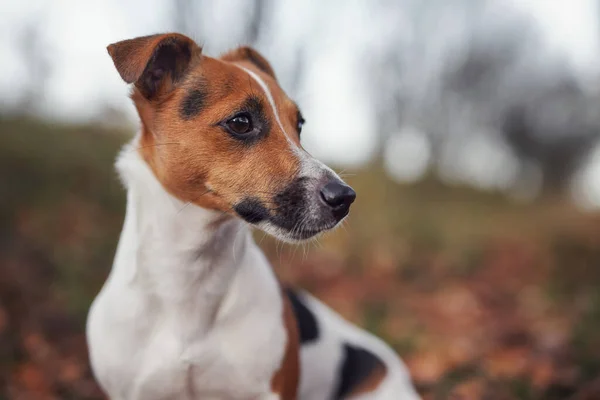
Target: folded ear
252 56
154 63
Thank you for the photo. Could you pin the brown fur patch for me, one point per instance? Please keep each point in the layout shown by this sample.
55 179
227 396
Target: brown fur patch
193 157
286 379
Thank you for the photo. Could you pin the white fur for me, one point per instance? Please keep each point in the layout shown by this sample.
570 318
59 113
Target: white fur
187 312
193 311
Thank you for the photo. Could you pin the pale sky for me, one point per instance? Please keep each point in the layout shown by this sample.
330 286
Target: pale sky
335 96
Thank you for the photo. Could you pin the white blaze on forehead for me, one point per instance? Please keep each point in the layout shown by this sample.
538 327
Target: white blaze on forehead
310 166
265 89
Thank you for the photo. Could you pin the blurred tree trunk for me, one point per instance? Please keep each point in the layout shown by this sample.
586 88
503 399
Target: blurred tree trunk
37 63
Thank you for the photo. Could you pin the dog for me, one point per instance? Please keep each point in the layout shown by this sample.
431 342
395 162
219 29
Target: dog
191 308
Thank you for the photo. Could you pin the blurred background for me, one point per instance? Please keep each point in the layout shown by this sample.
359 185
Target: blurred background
469 128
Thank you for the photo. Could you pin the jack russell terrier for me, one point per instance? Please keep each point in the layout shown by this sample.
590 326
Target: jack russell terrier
191 308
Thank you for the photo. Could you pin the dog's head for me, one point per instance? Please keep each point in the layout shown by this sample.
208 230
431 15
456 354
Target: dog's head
221 133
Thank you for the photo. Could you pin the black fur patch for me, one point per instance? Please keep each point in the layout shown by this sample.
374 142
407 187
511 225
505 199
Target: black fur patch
170 59
357 365
252 210
291 204
307 323
194 102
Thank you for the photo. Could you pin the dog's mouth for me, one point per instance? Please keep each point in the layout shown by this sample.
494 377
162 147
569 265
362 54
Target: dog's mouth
305 233
299 233
304 223
302 211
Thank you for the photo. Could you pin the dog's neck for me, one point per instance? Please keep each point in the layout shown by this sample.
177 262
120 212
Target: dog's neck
181 256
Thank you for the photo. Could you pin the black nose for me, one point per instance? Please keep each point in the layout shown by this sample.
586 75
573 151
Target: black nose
338 196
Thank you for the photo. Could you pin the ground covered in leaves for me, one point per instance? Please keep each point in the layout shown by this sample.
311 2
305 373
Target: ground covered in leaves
483 298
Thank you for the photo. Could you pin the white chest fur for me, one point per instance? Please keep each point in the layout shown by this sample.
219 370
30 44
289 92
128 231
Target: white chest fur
189 310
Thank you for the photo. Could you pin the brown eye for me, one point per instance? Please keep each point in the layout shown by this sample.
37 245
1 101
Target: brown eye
240 124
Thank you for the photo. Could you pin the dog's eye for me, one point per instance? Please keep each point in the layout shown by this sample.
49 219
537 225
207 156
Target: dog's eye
300 123
240 124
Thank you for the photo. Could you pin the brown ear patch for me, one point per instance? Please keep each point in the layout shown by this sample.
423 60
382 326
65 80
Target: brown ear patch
154 63
246 53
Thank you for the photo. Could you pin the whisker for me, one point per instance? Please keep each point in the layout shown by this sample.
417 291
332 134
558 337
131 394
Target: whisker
281 254
318 242
190 202
294 252
184 206
277 243
343 225
226 211
262 238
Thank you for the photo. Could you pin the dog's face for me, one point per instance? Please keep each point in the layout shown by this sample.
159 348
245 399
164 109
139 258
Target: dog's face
220 133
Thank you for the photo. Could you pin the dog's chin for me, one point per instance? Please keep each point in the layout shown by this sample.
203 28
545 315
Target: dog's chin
297 235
